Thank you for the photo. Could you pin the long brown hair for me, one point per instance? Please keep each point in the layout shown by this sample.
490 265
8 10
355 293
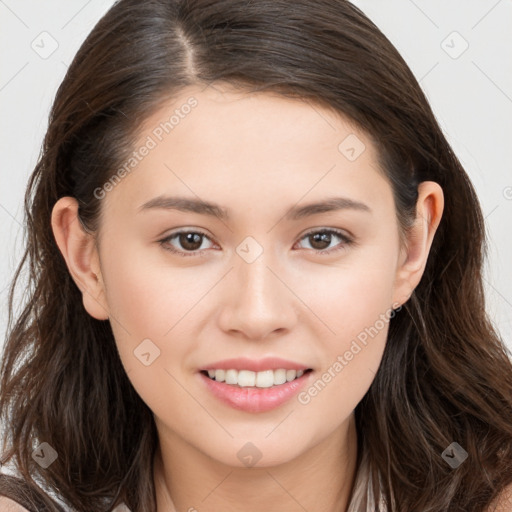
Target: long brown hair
445 374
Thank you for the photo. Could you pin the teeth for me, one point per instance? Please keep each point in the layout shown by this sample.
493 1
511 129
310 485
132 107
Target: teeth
290 375
231 377
265 379
247 378
279 376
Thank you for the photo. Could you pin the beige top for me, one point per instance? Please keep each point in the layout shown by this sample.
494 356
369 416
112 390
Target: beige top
8 505
361 502
362 499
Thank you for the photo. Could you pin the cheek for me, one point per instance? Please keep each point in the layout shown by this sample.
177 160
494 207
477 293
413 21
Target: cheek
150 304
350 295
350 363
146 296
354 303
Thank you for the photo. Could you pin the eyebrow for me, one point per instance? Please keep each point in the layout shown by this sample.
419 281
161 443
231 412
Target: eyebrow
202 207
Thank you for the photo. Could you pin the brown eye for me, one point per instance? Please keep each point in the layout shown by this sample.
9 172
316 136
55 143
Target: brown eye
320 240
189 243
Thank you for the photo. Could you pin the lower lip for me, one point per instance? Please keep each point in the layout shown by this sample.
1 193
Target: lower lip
255 399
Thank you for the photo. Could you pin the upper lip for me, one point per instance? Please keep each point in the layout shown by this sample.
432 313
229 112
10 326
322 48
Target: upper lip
255 365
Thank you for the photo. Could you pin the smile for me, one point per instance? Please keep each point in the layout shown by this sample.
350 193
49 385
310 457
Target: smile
248 378
254 385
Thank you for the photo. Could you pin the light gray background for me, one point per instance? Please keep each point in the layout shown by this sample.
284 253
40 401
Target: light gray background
470 91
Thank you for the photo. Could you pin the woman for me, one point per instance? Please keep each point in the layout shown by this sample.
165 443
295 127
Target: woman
256 278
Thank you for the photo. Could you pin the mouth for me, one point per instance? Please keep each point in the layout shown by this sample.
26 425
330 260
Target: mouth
255 386
255 380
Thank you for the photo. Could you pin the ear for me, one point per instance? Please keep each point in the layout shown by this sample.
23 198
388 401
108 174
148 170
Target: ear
78 247
413 258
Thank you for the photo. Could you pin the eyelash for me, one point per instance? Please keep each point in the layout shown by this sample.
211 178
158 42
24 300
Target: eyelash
346 241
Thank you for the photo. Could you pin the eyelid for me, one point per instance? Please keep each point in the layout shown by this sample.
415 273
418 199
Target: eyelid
343 233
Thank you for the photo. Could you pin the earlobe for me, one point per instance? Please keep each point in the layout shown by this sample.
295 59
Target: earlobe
78 248
429 211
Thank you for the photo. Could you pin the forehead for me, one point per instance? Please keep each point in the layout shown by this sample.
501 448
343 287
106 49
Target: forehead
264 117
240 146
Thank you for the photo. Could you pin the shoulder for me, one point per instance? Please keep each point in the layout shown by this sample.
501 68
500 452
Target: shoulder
8 505
503 502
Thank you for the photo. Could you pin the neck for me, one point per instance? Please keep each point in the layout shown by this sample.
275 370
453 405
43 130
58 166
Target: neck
319 480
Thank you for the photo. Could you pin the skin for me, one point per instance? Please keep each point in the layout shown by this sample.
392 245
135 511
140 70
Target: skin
257 155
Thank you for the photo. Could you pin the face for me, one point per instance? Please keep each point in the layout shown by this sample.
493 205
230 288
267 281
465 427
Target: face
260 274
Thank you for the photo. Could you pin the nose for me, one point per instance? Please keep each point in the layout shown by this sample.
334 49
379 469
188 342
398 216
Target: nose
256 301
